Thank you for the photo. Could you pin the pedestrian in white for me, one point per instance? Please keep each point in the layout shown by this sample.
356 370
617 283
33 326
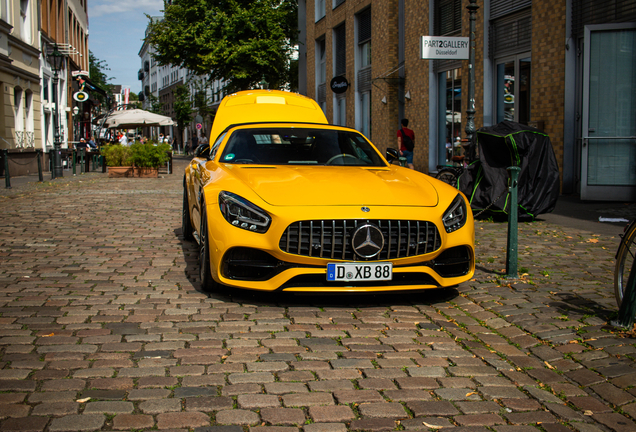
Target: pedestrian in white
123 140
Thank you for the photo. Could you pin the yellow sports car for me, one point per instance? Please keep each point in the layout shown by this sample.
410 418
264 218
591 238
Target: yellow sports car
282 200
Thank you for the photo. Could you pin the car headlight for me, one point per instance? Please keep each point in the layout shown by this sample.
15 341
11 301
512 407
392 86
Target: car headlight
243 214
455 216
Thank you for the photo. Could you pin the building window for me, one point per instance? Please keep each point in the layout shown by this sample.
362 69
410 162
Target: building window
321 73
363 75
336 3
320 9
513 89
25 21
450 111
340 50
45 89
448 17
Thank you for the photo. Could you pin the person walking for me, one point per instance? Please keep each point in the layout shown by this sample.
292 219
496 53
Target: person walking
406 142
195 142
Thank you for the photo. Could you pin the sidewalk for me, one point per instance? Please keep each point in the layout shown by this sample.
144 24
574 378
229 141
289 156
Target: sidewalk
102 328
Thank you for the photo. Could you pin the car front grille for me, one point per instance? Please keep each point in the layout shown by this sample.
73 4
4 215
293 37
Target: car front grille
332 238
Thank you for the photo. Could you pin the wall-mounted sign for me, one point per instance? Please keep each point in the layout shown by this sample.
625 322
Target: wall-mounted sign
443 47
339 84
81 72
80 96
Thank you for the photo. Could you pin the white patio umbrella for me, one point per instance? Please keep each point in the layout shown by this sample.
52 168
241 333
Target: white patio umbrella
136 117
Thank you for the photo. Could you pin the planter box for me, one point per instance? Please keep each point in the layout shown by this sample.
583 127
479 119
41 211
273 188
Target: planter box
121 171
146 172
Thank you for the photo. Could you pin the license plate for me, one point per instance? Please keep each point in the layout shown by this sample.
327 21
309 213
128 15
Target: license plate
359 272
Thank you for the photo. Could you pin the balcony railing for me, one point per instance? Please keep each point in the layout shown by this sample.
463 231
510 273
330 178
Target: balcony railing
24 139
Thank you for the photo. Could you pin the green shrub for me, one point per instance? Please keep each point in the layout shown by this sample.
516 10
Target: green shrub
149 155
116 155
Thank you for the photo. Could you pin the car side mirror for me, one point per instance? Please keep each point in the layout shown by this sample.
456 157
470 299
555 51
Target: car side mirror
202 151
392 155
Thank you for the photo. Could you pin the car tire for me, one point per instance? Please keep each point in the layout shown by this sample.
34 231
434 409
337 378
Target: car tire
447 175
208 284
186 223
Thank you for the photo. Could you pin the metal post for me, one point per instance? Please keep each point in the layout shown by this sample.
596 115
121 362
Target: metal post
56 60
627 311
7 177
83 167
39 156
511 253
470 111
74 161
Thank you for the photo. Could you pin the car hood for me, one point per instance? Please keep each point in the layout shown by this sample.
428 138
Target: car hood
320 186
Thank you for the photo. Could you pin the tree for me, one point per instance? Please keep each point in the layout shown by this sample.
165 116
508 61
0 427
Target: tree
239 41
156 106
182 107
97 69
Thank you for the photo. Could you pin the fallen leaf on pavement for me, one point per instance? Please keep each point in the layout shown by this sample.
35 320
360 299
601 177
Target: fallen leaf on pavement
548 365
432 426
588 413
471 393
49 335
83 400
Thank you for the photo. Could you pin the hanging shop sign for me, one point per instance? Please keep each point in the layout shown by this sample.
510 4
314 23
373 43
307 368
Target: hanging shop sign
339 84
443 47
80 96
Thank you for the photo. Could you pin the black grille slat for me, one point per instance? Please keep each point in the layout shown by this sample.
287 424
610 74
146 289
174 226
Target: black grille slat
300 238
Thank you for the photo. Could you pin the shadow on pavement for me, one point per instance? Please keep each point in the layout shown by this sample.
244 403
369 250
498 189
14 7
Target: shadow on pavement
283 299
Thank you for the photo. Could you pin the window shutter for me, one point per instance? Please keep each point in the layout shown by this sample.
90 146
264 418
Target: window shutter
341 50
364 26
585 12
511 34
499 8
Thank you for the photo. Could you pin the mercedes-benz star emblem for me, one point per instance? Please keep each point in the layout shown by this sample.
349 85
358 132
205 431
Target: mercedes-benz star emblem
367 241
365 209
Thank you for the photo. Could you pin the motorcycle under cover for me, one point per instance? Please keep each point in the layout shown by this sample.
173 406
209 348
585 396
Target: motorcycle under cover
512 144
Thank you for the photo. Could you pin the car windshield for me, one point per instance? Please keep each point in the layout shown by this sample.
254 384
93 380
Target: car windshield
300 146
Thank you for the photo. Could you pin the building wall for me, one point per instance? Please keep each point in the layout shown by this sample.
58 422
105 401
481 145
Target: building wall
548 70
416 71
19 76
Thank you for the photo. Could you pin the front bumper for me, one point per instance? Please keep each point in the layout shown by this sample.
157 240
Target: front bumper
255 261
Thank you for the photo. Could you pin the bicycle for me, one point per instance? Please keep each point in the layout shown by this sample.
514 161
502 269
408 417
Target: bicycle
451 173
625 256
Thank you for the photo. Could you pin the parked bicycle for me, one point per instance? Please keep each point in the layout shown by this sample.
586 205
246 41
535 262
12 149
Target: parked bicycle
624 261
451 173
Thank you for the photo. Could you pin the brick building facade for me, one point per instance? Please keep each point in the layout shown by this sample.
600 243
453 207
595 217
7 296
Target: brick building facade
546 63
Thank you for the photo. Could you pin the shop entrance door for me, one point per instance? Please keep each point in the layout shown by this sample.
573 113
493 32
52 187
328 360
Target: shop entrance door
608 154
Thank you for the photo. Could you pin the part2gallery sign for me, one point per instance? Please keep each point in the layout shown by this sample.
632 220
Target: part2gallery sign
442 47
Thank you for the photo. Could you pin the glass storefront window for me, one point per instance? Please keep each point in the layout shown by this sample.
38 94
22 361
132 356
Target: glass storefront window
513 90
453 104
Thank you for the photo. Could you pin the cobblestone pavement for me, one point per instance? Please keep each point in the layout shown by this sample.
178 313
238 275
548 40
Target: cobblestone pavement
102 328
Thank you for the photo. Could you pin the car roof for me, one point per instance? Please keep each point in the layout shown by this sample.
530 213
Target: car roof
257 106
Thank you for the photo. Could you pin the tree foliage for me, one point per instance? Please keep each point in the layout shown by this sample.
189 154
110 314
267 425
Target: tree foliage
182 106
239 41
98 76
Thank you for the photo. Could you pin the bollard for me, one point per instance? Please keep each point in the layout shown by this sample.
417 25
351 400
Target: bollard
39 156
513 219
627 311
74 160
7 177
82 167
51 164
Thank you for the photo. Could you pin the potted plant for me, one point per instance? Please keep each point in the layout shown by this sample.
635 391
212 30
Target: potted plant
147 158
118 160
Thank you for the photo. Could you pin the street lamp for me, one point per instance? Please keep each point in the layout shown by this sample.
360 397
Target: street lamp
56 58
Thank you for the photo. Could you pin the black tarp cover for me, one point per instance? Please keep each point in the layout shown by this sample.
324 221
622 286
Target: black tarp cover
512 144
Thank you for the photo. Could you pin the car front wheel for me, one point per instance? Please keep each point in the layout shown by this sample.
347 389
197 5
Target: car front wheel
208 284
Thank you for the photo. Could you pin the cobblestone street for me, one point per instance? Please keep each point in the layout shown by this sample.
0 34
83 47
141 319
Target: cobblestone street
102 328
